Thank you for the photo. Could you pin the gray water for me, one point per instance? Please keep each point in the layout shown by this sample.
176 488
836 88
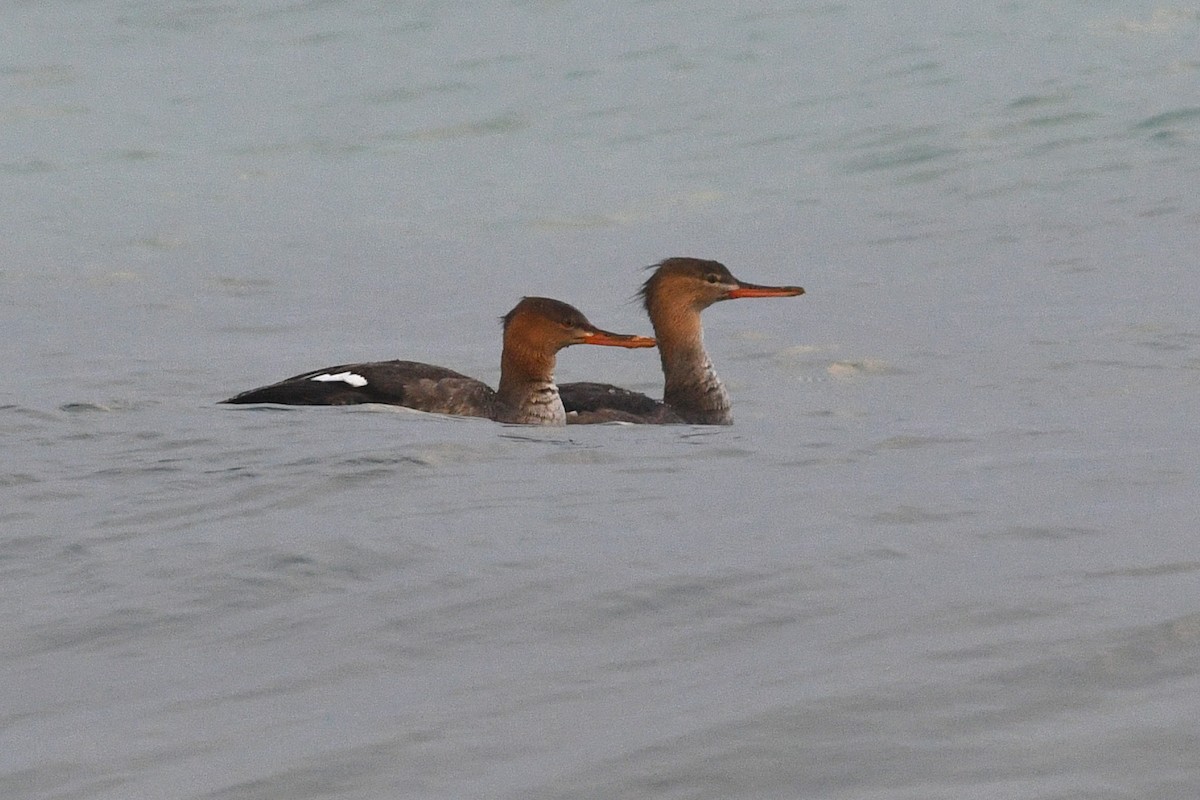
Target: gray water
949 549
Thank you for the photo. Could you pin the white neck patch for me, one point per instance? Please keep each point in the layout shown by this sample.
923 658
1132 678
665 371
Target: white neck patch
345 377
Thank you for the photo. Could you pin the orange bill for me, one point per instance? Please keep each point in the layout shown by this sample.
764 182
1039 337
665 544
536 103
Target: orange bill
754 290
598 336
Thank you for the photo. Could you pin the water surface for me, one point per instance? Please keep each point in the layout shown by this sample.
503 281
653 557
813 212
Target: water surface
948 548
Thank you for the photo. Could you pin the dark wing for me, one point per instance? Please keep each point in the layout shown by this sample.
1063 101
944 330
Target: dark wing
424 387
587 403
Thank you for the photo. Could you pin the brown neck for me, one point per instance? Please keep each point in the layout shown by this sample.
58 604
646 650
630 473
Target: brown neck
527 393
692 388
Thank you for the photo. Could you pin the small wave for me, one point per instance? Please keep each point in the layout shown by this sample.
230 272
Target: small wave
867 366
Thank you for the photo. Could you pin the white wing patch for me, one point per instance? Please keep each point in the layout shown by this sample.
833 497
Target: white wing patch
346 377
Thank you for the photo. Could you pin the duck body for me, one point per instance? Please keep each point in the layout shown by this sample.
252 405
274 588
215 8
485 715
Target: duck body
424 387
534 331
674 297
591 403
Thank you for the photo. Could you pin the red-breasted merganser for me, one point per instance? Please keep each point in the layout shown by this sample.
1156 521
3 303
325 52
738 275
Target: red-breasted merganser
674 296
534 331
